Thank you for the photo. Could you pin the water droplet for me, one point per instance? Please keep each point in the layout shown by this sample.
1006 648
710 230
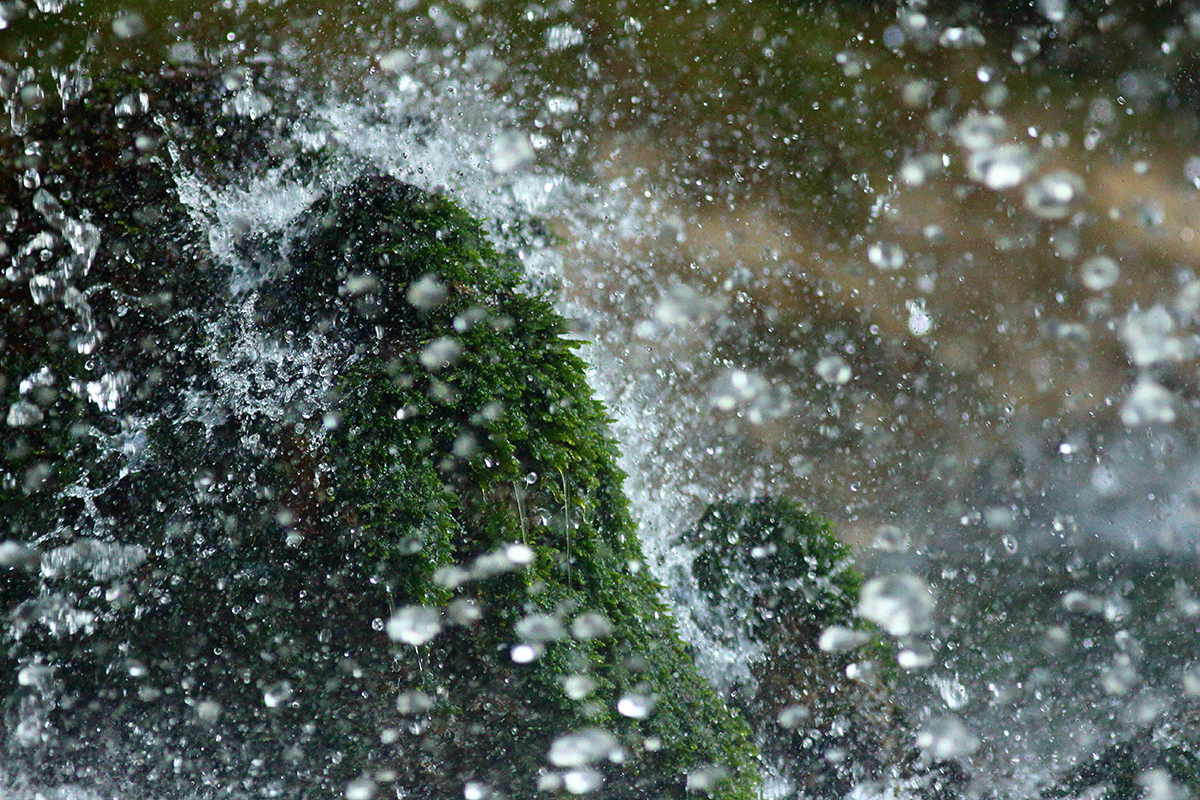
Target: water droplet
35 675
951 690
361 789
886 255
208 711
360 284
735 387
1079 602
464 612
1120 676
278 694
395 61
16 554
1053 10
476 791
51 6
1001 167
834 369
465 445
1099 273
1187 302
441 353
946 737
415 625
583 747
1055 195
839 639
50 208
525 653
510 150
980 131
960 38
592 625
102 561
560 37
539 628
508 558
128 24
999 518
23 413
562 105
578 687
1157 784
582 781
914 659
891 539
900 604
919 321
427 293
1149 339
681 304
917 169
636 705
1191 681
414 702
917 93
705 779
1148 404
1105 480
793 717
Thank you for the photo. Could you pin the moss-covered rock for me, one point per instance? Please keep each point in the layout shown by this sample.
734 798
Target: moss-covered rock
819 691
780 564
777 577
314 503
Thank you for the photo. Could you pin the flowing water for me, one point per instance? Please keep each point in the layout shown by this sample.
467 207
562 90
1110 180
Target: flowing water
930 272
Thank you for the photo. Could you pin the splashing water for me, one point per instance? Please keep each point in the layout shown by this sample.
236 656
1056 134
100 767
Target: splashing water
1001 395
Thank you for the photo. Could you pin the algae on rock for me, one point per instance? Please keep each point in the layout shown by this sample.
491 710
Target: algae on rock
230 476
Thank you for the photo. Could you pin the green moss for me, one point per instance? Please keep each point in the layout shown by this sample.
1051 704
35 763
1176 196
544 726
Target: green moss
778 562
511 447
365 427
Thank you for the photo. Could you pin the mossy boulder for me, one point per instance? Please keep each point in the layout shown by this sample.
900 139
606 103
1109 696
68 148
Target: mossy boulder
777 564
776 577
324 503
819 691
